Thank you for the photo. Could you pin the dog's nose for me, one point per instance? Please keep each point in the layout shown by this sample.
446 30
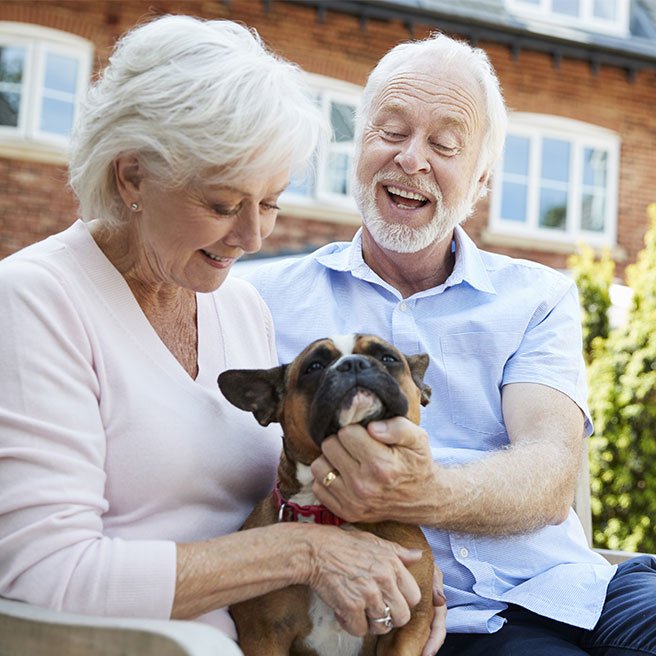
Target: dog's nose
353 364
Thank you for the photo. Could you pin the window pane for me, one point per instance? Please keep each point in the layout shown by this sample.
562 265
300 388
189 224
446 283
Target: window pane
513 202
56 116
302 184
9 105
606 9
553 209
555 160
61 73
566 7
12 61
338 173
593 211
595 167
341 118
515 155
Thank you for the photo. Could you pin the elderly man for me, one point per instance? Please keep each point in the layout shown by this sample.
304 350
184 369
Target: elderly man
491 474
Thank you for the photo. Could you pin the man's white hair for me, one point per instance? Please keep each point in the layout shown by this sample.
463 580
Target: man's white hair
446 53
193 99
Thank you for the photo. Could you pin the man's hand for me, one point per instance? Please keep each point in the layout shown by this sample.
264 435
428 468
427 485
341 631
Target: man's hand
384 472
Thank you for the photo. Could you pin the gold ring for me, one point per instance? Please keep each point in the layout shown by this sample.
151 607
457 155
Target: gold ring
329 478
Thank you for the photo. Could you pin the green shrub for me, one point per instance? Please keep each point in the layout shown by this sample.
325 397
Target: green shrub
622 378
593 278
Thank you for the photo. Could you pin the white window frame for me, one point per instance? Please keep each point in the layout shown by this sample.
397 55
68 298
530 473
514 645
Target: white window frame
579 135
327 90
585 19
38 41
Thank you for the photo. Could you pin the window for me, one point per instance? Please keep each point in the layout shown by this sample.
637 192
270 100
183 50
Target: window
610 16
329 182
557 181
43 74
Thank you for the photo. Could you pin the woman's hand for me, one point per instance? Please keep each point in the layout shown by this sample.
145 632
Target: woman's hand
438 627
358 574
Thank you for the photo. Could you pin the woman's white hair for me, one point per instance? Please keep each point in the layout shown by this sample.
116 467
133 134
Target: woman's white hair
445 52
193 99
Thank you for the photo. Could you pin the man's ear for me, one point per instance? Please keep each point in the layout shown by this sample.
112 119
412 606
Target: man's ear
259 391
128 174
418 365
482 185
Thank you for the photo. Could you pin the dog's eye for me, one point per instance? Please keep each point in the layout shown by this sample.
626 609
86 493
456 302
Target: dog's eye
314 366
388 358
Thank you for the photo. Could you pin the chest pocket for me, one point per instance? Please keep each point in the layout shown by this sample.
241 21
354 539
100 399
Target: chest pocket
474 364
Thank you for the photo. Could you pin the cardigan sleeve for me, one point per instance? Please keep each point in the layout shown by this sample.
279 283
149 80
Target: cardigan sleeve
52 452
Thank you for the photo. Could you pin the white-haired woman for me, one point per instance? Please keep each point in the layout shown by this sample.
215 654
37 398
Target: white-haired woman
124 475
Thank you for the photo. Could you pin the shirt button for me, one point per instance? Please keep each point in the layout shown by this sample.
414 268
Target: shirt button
403 307
464 552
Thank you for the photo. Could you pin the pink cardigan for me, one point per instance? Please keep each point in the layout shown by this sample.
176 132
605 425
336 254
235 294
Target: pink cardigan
109 452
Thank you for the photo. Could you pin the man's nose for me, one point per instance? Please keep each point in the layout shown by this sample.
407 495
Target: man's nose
413 157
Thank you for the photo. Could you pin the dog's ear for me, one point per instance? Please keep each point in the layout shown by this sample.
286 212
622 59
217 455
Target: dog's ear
418 365
259 391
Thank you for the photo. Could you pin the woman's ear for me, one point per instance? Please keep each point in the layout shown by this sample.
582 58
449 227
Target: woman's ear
128 175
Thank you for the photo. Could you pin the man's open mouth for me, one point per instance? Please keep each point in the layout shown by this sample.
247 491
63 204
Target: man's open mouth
409 200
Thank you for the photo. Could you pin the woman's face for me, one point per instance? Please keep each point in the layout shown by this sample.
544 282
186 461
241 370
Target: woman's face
191 238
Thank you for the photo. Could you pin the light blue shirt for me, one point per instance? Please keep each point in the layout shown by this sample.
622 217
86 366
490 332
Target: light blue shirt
495 321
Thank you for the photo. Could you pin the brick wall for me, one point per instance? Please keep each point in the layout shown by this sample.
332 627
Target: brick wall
34 200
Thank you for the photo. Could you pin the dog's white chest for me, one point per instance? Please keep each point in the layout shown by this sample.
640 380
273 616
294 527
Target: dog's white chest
327 637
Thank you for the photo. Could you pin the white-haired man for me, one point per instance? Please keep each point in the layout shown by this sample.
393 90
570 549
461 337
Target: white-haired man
492 473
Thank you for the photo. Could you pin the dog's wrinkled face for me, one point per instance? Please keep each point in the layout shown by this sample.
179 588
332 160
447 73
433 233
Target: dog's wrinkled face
333 382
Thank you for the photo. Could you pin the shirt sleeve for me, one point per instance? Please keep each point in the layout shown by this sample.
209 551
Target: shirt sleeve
53 551
551 352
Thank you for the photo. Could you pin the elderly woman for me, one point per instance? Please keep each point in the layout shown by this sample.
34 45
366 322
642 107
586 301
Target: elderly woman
125 475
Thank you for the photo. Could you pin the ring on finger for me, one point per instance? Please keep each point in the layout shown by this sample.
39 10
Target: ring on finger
385 620
329 478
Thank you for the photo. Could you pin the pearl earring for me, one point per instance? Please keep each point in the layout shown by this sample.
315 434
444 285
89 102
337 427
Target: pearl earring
134 206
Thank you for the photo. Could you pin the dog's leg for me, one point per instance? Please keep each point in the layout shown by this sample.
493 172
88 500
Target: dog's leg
269 625
409 640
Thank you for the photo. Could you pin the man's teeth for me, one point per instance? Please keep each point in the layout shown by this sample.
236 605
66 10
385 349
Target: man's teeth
412 195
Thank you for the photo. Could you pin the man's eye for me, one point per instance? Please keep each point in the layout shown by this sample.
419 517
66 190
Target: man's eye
446 150
314 366
390 135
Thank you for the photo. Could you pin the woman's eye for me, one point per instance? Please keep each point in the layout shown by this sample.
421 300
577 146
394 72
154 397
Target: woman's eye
314 366
224 210
388 358
270 207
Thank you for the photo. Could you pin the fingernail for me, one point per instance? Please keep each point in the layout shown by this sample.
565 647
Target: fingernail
441 595
379 427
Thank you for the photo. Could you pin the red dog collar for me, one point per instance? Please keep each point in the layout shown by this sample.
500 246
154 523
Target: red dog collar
288 511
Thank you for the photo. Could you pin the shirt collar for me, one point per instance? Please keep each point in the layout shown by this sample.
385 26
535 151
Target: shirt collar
469 267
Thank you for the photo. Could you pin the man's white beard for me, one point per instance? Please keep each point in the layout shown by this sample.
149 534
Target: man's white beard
402 238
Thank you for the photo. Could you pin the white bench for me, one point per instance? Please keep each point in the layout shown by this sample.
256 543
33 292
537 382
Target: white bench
27 630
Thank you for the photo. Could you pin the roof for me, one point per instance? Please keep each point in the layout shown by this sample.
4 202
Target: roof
490 20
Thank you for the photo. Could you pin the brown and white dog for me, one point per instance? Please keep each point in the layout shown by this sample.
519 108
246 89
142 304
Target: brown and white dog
333 382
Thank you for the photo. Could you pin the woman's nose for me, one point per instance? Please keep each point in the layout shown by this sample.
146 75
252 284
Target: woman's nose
247 232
